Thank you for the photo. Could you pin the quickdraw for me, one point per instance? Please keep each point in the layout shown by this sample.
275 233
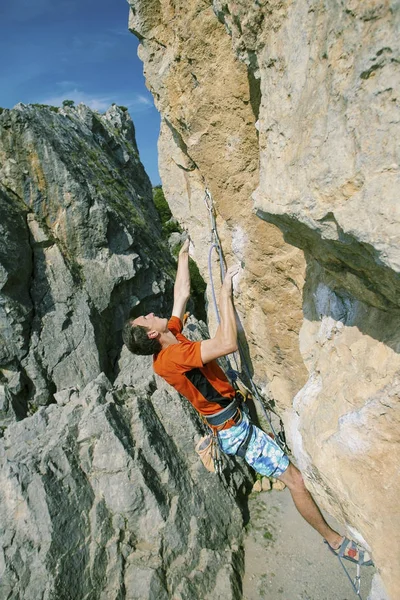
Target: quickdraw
216 453
233 374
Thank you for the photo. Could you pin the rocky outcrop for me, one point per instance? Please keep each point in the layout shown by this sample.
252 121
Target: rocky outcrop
307 92
102 495
209 104
79 247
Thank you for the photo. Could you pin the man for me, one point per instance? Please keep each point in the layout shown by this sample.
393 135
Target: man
191 368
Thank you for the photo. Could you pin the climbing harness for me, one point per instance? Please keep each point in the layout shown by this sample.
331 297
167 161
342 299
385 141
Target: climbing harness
216 453
208 447
233 373
224 415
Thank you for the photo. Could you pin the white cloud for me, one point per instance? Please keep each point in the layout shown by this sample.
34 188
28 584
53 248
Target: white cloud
140 99
123 32
99 103
135 103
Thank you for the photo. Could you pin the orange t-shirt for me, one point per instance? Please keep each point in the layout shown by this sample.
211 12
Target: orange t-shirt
181 366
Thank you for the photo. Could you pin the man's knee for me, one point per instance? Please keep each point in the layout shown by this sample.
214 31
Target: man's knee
293 479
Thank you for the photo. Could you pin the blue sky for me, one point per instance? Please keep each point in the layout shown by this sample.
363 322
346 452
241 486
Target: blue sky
80 50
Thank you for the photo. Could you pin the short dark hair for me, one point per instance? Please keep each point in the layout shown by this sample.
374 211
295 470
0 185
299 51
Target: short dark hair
137 341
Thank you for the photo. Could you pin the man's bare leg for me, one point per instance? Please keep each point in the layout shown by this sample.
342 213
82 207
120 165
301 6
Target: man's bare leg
306 506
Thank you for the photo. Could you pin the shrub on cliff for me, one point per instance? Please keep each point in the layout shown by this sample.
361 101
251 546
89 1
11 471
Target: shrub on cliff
161 204
169 225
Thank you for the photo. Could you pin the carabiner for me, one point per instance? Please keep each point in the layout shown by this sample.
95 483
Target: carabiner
208 201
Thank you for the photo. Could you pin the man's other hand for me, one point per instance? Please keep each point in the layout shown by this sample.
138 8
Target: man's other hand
185 247
229 275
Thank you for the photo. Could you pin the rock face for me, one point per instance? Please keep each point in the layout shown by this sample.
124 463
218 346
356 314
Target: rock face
102 495
209 104
77 248
104 498
306 91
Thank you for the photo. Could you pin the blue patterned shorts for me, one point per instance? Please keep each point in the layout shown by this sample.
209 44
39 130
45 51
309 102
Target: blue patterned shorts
263 454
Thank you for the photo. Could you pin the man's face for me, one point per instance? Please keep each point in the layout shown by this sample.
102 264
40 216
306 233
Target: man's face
152 323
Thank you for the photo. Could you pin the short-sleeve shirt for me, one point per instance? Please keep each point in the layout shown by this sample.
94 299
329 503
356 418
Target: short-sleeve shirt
181 366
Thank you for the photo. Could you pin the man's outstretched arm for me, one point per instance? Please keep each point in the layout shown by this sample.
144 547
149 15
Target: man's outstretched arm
182 282
225 340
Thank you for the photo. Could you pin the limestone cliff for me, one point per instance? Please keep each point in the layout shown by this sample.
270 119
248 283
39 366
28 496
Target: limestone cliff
78 215
288 112
101 493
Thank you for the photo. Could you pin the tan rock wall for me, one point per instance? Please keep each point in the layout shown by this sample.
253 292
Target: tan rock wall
319 80
344 426
209 139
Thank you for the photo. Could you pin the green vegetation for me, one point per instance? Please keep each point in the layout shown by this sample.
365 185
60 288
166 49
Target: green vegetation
198 290
1 110
70 103
110 184
161 204
32 409
52 108
169 226
131 149
123 108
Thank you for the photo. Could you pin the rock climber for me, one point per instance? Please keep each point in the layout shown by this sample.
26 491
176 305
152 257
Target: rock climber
191 368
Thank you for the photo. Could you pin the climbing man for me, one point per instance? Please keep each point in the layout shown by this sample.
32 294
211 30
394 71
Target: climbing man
191 368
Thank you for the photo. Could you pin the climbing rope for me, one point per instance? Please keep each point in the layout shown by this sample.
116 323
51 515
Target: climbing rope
233 373
216 245
356 584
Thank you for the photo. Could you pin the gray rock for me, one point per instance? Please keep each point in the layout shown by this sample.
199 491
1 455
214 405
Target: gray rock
175 239
377 591
105 496
80 247
315 107
101 493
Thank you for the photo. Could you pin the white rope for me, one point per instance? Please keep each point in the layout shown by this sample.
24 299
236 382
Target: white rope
215 244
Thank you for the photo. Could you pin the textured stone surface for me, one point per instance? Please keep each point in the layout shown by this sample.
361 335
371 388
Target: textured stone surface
104 498
209 139
101 493
378 591
15 303
307 90
80 247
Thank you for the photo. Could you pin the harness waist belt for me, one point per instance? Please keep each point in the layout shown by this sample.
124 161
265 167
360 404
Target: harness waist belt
223 415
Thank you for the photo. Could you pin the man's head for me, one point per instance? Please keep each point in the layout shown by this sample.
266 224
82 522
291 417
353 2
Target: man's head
142 335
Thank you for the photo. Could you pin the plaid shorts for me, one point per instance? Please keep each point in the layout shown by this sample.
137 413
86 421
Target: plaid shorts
263 454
